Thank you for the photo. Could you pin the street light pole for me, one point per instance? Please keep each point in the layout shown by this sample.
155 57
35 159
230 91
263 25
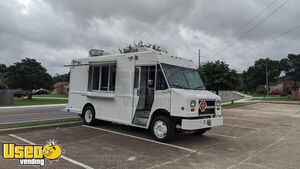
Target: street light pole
199 64
267 80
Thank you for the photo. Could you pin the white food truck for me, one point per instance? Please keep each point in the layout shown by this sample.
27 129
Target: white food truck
147 89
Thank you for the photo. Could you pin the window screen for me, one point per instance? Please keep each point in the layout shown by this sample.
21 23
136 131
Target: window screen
112 77
102 77
96 73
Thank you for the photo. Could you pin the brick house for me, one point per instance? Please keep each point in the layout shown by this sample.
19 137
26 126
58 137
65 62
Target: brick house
61 88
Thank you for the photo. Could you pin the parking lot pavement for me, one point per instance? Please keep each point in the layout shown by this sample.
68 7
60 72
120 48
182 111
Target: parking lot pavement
27 114
250 138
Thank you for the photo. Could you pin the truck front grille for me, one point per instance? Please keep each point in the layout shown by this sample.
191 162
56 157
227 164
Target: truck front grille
210 109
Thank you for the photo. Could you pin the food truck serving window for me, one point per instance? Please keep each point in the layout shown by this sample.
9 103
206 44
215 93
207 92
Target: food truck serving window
102 77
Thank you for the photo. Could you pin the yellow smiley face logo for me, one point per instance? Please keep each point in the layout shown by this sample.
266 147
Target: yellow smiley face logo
52 152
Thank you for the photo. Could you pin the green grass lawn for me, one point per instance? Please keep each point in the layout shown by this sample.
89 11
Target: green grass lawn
234 105
52 95
37 101
273 98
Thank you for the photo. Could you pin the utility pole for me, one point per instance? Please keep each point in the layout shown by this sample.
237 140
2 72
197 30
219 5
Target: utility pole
267 81
199 58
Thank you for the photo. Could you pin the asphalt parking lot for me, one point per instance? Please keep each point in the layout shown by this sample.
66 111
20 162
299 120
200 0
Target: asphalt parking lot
10 115
261 135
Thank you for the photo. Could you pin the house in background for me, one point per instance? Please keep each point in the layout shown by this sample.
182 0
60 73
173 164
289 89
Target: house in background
61 88
281 88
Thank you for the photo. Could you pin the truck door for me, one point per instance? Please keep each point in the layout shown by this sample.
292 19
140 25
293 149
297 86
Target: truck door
143 94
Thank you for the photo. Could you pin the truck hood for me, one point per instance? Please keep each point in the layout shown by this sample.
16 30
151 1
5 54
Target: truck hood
201 94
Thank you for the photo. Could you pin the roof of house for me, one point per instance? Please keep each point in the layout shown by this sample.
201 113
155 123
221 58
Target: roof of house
59 84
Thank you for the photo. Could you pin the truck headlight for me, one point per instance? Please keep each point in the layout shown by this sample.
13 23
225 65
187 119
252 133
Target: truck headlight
218 103
193 103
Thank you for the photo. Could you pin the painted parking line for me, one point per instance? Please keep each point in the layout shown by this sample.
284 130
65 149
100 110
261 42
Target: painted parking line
221 135
63 157
141 138
246 127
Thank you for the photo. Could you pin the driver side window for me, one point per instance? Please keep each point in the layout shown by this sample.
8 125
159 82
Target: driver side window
161 83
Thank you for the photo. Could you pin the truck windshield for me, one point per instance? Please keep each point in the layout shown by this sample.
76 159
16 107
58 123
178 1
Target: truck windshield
181 77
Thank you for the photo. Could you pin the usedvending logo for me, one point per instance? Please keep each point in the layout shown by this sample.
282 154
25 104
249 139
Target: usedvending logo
32 154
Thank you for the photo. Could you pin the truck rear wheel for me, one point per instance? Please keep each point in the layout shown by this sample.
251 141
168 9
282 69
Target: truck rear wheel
162 128
89 115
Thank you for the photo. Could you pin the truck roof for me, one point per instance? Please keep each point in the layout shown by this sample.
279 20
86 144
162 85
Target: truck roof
143 57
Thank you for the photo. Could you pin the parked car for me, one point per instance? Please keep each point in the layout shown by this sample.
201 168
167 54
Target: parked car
40 91
19 93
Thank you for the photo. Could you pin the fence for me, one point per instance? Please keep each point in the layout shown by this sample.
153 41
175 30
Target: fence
6 97
296 94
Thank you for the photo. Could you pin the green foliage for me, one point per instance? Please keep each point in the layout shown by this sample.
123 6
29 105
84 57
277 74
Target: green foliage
3 69
61 78
134 47
38 101
218 76
2 85
28 75
256 74
294 65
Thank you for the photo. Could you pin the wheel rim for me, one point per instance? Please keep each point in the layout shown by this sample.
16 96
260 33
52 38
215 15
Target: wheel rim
160 129
88 116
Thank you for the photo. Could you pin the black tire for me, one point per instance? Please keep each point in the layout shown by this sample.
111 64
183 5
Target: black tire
168 123
200 131
89 121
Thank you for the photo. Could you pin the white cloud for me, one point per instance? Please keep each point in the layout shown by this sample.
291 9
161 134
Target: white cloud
57 31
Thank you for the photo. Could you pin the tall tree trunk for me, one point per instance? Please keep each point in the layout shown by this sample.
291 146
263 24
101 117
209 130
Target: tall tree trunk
29 95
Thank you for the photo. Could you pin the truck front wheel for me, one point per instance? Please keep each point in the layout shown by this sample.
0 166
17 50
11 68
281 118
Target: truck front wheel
162 128
89 115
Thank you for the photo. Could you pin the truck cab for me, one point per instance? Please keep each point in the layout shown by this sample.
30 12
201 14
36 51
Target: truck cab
148 89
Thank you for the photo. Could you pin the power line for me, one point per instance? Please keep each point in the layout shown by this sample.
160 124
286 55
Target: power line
258 23
264 19
234 12
226 18
254 18
270 40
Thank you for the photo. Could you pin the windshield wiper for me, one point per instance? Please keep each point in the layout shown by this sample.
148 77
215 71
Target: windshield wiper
179 86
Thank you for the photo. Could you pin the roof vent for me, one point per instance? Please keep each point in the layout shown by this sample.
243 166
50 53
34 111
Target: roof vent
97 52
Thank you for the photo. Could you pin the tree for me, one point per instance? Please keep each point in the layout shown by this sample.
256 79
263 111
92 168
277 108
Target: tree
2 70
134 47
294 67
28 75
61 78
256 74
2 85
218 76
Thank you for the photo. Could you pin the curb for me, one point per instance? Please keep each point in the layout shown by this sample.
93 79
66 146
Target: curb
275 102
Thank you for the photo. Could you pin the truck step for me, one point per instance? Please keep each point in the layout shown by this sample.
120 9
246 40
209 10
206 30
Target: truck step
140 121
142 113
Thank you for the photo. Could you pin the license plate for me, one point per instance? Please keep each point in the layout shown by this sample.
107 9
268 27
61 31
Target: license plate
208 122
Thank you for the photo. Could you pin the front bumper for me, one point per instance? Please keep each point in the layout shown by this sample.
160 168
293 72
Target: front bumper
194 124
